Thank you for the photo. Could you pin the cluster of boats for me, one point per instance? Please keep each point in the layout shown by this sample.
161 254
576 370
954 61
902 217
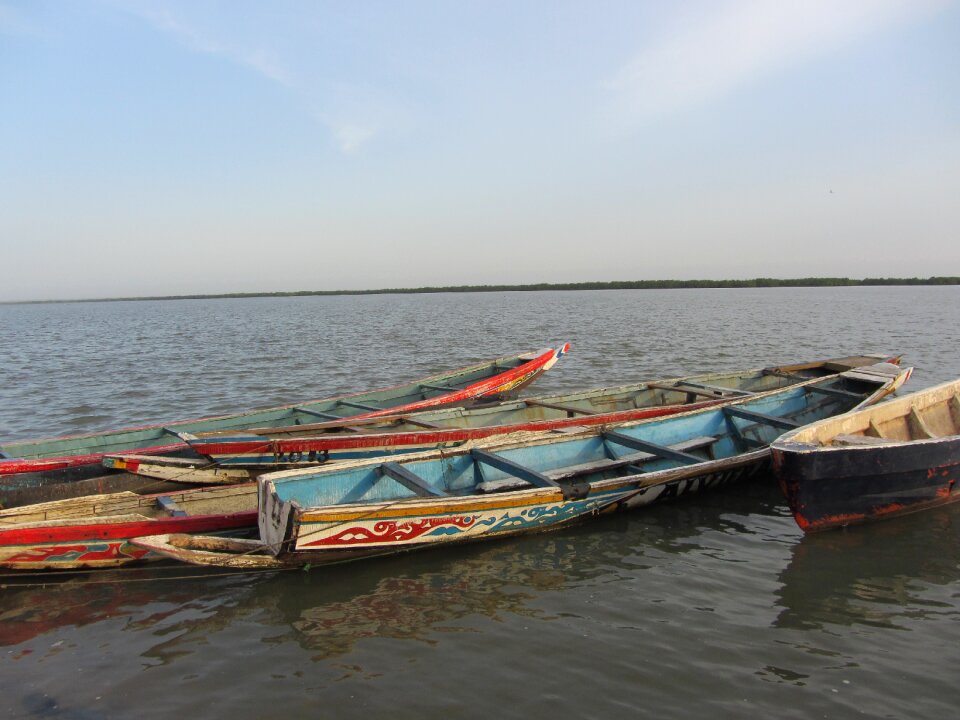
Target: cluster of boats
463 455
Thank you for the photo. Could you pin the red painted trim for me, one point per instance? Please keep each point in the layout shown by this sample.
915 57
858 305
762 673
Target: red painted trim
90 530
17 465
429 437
504 382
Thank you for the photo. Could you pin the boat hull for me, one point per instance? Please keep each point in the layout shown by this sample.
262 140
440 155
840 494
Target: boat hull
892 459
855 485
95 531
98 544
403 525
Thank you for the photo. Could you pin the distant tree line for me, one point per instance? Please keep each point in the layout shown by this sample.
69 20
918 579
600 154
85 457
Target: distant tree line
612 285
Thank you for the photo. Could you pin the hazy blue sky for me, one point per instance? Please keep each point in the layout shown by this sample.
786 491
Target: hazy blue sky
159 147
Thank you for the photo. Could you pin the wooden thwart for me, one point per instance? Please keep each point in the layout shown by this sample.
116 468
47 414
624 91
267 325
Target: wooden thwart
835 392
358 406
508 466
686 385
653 448
559 406
710 391
573 471
318 414
410 480
761 418
442 388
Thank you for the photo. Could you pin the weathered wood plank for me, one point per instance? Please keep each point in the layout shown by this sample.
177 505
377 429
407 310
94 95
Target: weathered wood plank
441 388
357 405
687 384
410 480
508 466
918 426
835 392
559 406
676 388
761 418
661 451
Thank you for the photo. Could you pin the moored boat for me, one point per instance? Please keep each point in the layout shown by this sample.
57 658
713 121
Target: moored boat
95 531
29 463
283 447
898 457
372 507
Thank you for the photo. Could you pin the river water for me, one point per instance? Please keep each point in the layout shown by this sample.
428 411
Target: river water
714 606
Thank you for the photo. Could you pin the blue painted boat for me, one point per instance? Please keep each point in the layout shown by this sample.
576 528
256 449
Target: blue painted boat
372 507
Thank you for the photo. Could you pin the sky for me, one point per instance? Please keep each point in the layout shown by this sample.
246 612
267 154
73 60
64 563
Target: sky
163 148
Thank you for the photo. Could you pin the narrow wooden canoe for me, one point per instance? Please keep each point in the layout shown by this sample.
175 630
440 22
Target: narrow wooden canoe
895 458
291 446
371 507
492 381
95 531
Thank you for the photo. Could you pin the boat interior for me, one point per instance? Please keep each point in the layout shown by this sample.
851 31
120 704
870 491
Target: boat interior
579 458
923 415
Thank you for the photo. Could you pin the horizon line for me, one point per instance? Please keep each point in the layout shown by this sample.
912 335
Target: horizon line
760 282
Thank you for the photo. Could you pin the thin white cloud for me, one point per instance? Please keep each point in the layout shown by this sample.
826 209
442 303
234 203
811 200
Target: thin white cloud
258 59
349 129
350 137
726 46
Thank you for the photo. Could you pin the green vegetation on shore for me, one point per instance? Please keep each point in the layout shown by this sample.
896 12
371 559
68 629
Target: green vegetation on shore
613 285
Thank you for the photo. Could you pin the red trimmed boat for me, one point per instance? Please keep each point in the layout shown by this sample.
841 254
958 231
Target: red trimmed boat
28 463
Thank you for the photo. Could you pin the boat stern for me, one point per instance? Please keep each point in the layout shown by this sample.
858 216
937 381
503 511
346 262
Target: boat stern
275 517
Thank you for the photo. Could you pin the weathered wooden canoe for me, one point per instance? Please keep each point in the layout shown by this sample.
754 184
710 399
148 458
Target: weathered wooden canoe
95 531
26 463
898 457
291 446
371 507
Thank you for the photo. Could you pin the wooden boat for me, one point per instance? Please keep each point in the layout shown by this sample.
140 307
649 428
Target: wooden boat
283 447
27 463
898 457
372 507
95 531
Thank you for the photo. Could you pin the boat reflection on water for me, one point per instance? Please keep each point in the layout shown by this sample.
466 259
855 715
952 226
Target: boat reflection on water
878 574
408 596
36 614
326 611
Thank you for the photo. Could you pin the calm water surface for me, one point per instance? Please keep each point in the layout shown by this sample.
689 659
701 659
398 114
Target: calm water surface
714 606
